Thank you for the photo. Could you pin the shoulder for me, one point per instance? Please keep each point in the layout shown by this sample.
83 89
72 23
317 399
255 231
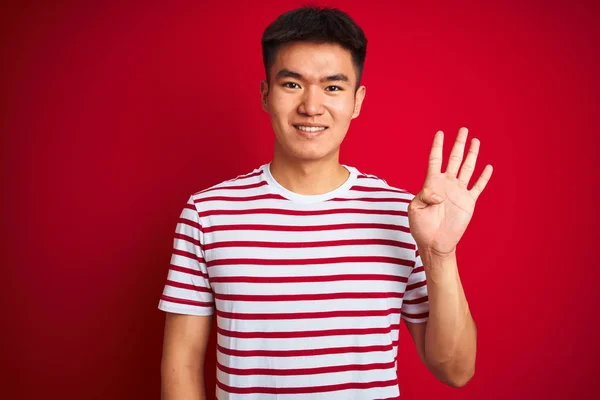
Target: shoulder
241 186
244 181
374 183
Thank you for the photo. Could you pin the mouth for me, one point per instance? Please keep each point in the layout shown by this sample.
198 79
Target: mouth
310 131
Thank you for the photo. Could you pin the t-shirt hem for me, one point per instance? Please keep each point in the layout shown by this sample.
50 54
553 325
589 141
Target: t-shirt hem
165 306
415 320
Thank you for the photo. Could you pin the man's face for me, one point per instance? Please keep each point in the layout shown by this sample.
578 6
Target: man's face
312 87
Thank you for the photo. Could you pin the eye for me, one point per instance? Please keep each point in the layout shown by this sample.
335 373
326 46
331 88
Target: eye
290 85
337 88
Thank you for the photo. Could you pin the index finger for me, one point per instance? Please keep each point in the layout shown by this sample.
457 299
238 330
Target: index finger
435 157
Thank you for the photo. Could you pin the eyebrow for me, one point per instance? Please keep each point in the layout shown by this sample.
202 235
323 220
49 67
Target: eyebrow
286 73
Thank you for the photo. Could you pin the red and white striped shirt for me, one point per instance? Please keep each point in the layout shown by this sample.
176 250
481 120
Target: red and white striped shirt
308 290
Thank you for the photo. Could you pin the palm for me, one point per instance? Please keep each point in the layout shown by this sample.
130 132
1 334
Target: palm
438 227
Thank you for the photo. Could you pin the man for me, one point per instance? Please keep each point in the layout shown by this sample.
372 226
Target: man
310 265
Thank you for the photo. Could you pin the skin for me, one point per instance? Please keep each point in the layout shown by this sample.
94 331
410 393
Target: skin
300 92
438 216
184 348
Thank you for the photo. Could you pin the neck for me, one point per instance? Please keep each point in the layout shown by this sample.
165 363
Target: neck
308 177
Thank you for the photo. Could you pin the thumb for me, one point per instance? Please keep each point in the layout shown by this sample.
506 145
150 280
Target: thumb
428 197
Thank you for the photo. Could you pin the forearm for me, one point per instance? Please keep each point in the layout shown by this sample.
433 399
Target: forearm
182 383
451 335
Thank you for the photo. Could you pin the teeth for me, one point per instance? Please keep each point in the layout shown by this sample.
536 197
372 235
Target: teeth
310 128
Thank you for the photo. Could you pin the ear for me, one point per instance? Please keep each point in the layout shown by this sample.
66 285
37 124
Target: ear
264 93
359 97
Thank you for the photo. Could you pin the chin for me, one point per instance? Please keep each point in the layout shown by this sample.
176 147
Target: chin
310 154
303 150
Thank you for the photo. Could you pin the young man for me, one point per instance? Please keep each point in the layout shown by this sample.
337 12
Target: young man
310 265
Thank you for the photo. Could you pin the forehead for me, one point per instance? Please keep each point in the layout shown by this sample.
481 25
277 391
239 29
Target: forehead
314 60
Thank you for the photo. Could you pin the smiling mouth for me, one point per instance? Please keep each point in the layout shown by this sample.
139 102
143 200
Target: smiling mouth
310 129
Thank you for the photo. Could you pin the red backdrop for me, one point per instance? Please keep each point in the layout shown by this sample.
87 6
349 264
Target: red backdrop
112 115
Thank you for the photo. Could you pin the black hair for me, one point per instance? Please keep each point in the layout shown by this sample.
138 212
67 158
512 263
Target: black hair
312 23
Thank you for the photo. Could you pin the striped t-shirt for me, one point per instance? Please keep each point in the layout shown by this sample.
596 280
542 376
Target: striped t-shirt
308 290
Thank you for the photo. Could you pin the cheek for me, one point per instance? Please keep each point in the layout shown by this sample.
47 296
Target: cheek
341 108
281 111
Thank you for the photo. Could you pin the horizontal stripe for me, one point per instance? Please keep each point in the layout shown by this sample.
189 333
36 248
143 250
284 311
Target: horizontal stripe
372 199
307 297
278 211
416 301
304 228
307 352
416 285
310 261
305 371
302 279
308 315
231 187
377 189
308 334
308 389
188 286
188 271
187 254
189 222
268 196
296 245
191 240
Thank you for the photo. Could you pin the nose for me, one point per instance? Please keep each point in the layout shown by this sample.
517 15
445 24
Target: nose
311 102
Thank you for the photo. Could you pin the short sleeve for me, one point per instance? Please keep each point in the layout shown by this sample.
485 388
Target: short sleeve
187 289
415 305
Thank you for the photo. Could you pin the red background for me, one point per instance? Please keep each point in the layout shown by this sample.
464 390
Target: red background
112 115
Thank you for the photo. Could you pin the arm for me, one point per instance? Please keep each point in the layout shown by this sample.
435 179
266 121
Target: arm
438 217
446 343
184 348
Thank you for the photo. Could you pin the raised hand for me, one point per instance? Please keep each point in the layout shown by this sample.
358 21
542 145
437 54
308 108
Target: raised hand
440 213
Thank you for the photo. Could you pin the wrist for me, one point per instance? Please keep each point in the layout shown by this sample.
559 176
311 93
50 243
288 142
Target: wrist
432 258
430 252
